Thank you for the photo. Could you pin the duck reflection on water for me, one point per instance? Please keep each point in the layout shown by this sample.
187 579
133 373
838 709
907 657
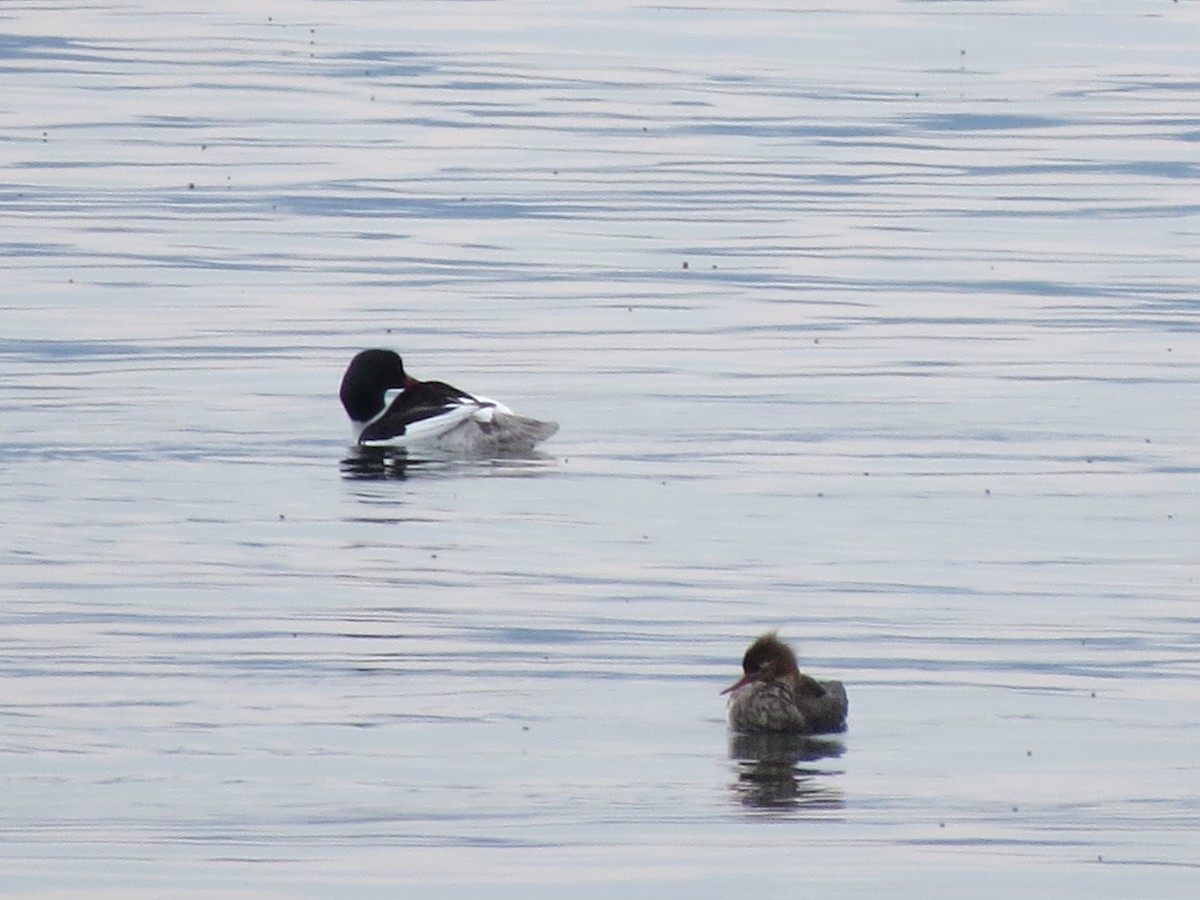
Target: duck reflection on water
779 770
376 463
381 463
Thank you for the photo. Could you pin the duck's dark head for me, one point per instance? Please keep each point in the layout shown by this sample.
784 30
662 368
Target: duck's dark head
370 375
768 659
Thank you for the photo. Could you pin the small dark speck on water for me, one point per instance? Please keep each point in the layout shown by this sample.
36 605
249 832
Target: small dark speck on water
191 185
685 265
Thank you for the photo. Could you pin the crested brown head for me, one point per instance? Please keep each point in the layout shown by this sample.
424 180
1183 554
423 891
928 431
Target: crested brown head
767 659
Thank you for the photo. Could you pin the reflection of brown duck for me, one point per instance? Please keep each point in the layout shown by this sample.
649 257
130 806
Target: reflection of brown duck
773 694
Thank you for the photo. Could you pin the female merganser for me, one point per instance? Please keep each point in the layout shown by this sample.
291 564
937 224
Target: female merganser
428 413
773 695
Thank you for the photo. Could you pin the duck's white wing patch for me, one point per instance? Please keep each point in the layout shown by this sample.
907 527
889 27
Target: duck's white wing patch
481 426
428 431
487 409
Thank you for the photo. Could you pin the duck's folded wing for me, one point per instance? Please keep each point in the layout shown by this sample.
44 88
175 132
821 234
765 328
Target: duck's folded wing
828 713
418 405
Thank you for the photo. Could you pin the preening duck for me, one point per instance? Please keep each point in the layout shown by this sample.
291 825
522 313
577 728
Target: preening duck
428 413
774 695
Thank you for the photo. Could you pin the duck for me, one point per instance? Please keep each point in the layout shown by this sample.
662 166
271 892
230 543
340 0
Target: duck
428 413
773 695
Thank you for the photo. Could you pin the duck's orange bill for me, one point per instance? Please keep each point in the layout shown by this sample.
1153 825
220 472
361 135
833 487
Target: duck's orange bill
745 679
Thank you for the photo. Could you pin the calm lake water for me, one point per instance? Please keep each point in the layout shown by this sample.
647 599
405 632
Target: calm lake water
876 325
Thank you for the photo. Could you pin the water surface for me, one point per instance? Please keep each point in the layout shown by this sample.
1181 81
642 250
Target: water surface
874 325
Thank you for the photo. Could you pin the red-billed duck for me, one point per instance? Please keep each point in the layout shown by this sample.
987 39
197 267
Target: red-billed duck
773 694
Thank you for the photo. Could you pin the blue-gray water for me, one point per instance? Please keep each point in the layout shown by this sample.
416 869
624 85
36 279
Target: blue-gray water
876 325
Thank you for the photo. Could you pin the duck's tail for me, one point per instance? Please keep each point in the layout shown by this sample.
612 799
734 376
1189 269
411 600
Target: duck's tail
513 432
